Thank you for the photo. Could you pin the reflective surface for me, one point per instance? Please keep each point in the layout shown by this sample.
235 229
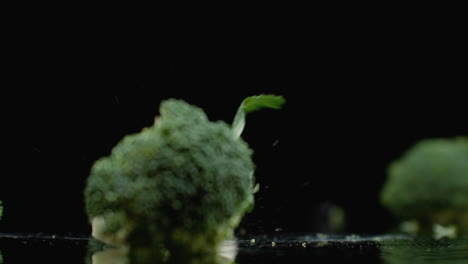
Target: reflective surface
444 251
40 248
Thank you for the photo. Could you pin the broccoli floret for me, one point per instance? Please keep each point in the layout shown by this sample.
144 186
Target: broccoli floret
177 188
430 184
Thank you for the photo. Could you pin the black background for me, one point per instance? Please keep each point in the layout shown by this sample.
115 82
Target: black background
355 101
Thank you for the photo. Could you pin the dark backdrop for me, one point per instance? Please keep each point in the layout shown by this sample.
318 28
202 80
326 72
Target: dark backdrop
351 109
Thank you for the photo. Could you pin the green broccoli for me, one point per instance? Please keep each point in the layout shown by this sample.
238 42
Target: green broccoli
177 189
429 184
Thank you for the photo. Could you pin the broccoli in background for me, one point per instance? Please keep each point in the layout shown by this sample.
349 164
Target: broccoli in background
429 184
177 189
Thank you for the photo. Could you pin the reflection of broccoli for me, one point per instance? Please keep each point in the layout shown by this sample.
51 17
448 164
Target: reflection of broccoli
424 251
179 187
430 184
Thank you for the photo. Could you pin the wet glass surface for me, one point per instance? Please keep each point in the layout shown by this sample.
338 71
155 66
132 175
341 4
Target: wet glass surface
40 248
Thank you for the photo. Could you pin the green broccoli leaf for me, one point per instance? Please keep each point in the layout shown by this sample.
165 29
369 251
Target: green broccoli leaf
252 104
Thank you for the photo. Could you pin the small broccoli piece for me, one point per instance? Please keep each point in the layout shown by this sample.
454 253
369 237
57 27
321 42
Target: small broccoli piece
430 184
177 189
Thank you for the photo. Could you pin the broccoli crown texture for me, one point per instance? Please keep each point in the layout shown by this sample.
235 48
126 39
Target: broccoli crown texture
430 179
183 181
